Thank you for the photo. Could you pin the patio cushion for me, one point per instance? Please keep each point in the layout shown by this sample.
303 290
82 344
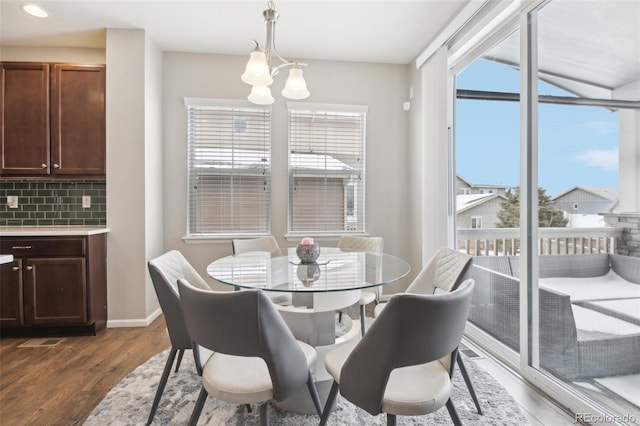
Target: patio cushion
624 309
592 324
608 286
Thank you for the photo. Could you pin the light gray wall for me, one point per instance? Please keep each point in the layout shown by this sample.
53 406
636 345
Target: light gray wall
383 88
126 245
153 165
414 187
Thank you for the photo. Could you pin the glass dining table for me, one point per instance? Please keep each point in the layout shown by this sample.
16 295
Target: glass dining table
319 289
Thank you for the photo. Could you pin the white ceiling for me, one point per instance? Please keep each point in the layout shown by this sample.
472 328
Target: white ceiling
355 30
589 47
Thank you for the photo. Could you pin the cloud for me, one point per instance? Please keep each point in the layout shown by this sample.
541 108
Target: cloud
602 158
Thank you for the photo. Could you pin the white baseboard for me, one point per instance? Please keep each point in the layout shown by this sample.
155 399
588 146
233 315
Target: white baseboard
144 322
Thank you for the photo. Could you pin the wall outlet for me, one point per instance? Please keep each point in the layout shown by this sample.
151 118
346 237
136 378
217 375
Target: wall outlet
86 201
12 201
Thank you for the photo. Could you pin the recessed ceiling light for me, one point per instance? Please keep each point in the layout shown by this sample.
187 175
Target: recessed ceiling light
35 10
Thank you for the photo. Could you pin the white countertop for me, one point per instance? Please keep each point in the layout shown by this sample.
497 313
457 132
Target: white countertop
49 231
6 258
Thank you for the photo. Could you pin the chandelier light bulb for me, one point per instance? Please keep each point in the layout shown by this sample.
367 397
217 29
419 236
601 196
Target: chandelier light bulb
260 95
295 87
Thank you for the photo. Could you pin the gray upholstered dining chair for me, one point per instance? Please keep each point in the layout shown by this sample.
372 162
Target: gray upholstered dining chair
268 244
165 270
255 358
370 244
404 363
443 273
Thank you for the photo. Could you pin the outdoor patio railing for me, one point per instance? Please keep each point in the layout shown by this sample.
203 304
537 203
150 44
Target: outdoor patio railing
506 241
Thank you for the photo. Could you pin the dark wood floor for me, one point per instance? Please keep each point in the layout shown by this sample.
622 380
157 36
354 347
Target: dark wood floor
61 385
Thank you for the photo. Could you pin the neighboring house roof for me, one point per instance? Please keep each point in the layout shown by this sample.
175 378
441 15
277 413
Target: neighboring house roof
252 159
605 193
475 185
464 180
466 202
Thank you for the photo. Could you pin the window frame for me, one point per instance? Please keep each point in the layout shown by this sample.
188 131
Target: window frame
357 187
229 106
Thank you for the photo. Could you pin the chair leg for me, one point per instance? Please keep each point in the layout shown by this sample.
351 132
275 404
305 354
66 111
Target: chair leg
453 413
362 320
340 316
180 355
197 409
467 380
333 393
162 384
264 414
313 391
391 419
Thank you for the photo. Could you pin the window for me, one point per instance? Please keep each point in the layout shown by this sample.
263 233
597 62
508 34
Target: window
326 168
476 221
229 167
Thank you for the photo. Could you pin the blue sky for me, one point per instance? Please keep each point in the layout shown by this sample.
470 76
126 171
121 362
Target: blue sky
578 145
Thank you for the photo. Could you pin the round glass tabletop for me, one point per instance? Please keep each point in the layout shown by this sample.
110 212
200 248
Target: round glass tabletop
334 270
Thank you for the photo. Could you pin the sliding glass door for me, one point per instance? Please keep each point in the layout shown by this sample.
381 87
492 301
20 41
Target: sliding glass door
538 130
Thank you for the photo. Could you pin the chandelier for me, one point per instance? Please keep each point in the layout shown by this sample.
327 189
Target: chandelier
259 72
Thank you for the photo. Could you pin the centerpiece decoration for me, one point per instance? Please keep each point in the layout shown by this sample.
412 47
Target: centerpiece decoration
307 250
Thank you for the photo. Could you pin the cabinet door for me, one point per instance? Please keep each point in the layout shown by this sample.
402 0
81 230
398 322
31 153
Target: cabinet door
24 119
78 140
11 301
55 291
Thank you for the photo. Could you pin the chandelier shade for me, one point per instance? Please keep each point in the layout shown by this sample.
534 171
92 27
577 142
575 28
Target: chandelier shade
261 95
259 72
296 87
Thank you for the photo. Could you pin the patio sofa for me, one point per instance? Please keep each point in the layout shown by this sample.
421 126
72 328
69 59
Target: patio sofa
589 311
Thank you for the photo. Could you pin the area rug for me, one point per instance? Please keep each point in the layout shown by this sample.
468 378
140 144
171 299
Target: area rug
129 403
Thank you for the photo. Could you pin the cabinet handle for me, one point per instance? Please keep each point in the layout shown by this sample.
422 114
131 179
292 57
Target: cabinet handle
55 166
15 268
21 247
44 166
29 268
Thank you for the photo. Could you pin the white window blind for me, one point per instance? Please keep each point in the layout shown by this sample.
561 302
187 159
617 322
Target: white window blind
326 168
229 168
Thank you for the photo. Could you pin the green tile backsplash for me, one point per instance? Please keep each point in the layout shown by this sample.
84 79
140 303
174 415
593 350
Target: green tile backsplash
53 203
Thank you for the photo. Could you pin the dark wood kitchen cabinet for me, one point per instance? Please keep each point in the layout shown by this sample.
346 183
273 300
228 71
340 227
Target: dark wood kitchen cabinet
53 120
24 119
56 285
11 294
